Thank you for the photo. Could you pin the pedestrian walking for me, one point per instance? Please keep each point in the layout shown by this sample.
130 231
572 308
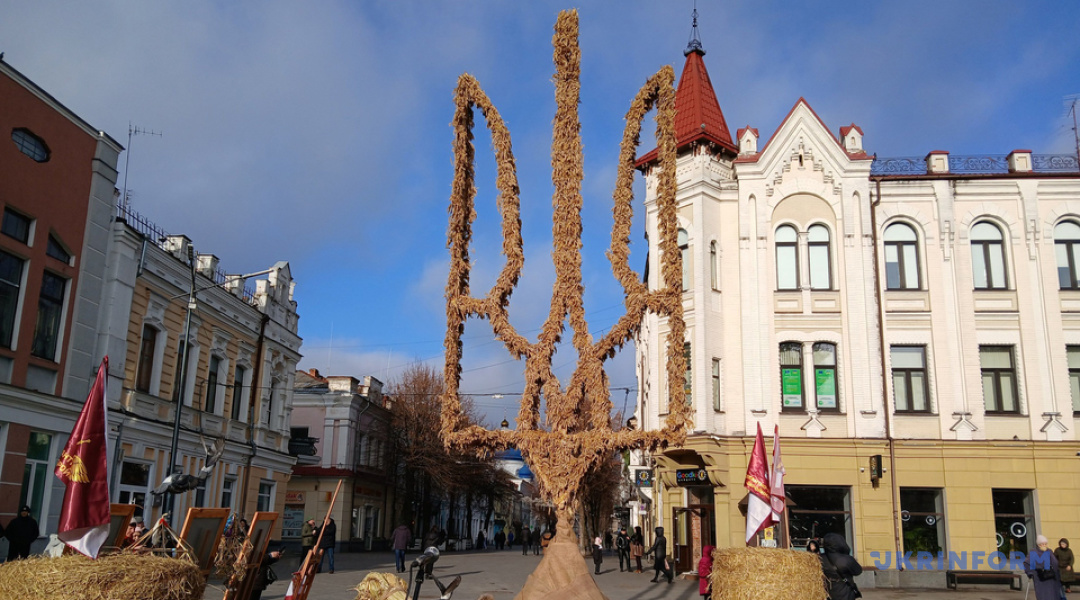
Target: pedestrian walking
481 542
500 539
329 542
622 546
597 554
1064 555
637 547
704 573
526 540
1042 567
21 532
264 576
307 537
399 541
841 568
537 540
658 550
510 541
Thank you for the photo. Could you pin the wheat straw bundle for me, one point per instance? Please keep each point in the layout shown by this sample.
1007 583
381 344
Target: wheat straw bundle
117 577
772 573
381 586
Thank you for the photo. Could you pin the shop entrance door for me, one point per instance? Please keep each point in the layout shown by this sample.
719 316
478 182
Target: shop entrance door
694 529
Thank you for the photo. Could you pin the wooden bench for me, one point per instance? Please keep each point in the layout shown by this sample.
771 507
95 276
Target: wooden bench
953 578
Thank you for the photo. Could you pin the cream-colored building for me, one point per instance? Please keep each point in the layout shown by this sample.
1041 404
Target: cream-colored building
911 326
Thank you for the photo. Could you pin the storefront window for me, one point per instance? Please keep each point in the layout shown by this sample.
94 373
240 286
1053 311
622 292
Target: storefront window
818 510
37 471
134 483
1014 520
922 512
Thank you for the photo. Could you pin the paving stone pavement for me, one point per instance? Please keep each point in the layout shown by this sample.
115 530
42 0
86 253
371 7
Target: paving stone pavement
502 574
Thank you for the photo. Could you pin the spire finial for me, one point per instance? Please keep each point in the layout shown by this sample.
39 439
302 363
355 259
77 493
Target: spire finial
694 45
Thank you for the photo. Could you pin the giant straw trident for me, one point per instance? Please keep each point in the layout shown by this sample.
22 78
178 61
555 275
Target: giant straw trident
577 434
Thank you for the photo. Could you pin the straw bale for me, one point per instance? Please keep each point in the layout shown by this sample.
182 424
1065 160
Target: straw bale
381 586
773 573
124 576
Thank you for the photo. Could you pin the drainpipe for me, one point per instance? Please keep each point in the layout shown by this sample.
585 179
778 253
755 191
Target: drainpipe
890 443
256 375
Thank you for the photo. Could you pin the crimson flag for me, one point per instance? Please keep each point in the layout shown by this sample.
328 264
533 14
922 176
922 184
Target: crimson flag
84 469
758 507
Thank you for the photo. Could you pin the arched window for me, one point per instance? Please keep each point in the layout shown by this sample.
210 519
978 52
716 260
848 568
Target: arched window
713 267
791 388
825 384
684 245
787 258
820 258
901 258
1067 245
988 257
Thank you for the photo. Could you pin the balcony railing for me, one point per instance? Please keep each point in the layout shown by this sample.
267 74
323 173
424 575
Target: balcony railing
302 446
985 164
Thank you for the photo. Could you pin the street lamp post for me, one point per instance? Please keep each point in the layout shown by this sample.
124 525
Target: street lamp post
192 305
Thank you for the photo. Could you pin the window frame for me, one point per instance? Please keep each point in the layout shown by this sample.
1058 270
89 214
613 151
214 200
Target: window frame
14 218
907 373
901 260
996 373
31 145
1074 377
787 246
210 398
716 397
683 239
1071 246
235 410
9 328
144 369
833 368
49 325
270 488
987 249
811 245
784 406
714 268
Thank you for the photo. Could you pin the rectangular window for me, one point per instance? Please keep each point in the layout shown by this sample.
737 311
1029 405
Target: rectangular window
818 510
716 384
210 404
57 251
910 387
36 473
238 394
50 309
1073 353
791 385
11 272
922 512
227 492
825 376
999 379
200 495
265 501
688 377
1014 520
145 370
16 226
134 484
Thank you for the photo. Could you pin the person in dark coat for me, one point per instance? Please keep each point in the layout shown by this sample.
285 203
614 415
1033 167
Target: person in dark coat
526 540
637 547
1064 555
21 532
262 580
500 539
622 546
399 541
329 542
658 550
1042 567
598 553
307 538
840 568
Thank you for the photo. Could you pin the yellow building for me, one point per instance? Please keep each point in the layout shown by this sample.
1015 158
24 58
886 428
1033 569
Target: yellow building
910 326
242 349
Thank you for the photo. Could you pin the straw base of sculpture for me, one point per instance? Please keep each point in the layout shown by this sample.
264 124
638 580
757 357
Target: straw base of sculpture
563 573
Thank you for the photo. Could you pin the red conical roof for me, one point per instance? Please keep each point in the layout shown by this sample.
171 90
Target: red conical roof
697 113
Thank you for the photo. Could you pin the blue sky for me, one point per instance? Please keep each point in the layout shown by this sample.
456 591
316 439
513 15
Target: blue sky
318 132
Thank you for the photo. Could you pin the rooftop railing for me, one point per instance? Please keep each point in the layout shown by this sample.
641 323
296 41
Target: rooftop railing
984 164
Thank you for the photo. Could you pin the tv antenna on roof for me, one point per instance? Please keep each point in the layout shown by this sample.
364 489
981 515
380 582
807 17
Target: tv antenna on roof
1071 101
133 130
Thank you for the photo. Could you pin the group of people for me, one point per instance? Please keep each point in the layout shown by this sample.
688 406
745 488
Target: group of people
309 534
20 532
1051 571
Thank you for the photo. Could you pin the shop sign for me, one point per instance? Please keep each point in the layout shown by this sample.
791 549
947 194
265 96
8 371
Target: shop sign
643 477
293 521
826 388
294 497
691 477
791 382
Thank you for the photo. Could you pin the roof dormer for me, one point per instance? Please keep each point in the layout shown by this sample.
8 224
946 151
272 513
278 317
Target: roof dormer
851 138
748 138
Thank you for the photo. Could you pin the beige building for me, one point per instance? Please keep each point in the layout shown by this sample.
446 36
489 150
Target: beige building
911 326
242 349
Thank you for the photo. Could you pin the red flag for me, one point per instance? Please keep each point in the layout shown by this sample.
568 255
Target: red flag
83 467
758 508
776 489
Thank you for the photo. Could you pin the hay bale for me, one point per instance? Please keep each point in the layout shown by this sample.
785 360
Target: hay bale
771 573
114 577
381 586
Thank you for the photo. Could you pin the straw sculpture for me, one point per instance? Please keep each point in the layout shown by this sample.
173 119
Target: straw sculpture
577 433
773 573
125 576
381 586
